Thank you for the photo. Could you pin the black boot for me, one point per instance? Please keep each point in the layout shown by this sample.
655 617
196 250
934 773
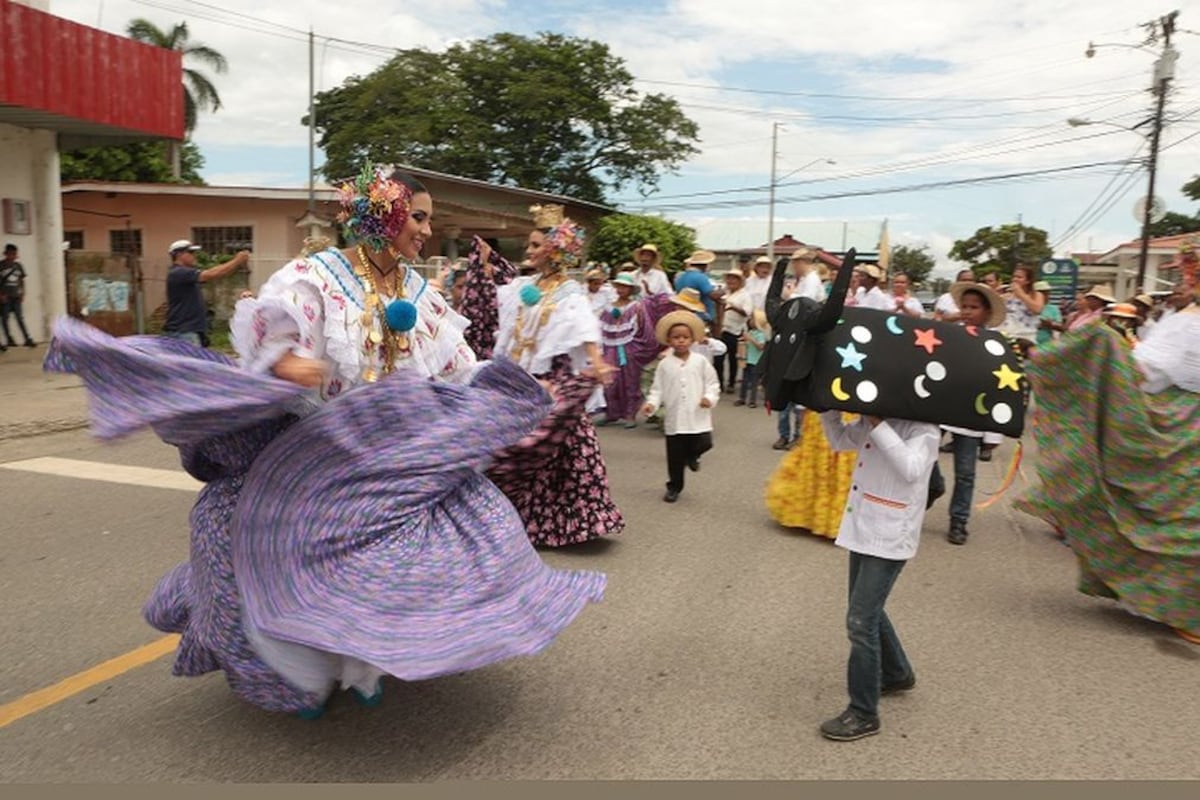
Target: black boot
958 532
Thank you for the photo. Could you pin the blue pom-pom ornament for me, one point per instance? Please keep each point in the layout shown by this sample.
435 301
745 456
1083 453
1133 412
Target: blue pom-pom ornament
616 313
401 316
530 294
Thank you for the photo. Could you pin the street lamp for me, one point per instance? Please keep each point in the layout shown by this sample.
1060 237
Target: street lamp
1164 71
775 181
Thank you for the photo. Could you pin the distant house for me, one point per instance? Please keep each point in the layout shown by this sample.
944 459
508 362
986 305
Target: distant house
143 219
732 240
64 86
1162 263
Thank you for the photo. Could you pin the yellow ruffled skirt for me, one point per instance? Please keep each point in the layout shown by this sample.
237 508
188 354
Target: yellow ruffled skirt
809 487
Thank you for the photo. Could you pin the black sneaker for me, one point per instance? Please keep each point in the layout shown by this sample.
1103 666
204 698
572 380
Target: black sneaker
694 465
899 686
671 496
780 444
958 532
985 453
848 726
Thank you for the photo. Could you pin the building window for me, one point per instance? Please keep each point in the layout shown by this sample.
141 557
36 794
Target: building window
225 240
125 241
74 239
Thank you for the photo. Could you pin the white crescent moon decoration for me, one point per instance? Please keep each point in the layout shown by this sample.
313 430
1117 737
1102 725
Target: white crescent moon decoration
994 347
936 371
867 391
919 387
861 334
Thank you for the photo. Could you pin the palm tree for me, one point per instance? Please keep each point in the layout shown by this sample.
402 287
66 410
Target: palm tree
199 94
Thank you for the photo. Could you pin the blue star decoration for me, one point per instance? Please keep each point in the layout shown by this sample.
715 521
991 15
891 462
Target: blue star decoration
851 357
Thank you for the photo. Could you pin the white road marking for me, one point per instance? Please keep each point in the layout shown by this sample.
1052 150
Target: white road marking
110 473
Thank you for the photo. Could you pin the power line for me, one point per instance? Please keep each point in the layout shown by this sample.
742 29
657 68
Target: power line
911 187
872 98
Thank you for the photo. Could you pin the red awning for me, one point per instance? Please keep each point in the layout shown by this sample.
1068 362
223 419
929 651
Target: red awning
90 86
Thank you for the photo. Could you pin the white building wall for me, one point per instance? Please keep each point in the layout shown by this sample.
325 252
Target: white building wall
29 170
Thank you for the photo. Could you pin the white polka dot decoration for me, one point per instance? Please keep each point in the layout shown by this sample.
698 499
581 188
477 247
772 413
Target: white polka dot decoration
1002 413
936 371
867 391
861 334
995 347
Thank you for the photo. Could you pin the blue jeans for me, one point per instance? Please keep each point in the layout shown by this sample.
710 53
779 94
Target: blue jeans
785 422
13 308
187 336
876 656
966 453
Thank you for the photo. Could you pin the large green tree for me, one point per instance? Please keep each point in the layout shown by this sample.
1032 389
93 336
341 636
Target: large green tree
915 262
550 112
618 235
1173 224
144 162
999 249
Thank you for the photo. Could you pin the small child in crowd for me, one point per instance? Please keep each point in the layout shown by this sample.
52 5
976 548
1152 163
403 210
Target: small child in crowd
755 337
881 528
686 386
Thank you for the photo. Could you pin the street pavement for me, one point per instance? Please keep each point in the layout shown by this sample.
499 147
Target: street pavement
718 649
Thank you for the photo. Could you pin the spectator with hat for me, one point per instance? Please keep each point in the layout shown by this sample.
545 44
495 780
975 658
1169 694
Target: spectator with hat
695 276
759 281
869 295
187 313
805 281
600 292
1122 318
1094 302
738 308
651 276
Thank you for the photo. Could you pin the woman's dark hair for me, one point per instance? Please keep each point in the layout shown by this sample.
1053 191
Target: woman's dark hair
414 185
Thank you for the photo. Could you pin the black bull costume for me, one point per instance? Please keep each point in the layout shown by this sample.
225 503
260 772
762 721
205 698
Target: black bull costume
825 356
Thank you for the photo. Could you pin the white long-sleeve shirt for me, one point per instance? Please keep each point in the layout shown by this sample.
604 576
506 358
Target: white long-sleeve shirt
679 386
653 281
889 486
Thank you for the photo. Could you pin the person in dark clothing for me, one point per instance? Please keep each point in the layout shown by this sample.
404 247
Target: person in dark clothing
187 315
12 295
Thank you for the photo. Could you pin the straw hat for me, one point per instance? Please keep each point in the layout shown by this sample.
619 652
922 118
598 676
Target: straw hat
994 300
1102 292
679 318
803 254
1042 286
627 279
1123 310
763 260
595 275
1145 300
870 270
689 298
760 320
733 273
702 257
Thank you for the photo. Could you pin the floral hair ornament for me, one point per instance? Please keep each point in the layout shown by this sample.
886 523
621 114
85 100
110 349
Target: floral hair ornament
374 207
564 238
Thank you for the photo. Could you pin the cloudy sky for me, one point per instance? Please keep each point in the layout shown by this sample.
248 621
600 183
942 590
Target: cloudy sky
912 100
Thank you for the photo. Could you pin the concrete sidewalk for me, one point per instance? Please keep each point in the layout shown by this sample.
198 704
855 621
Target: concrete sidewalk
33 402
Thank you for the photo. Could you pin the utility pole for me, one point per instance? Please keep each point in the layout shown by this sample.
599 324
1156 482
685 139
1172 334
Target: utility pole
771 202
1164 70
312 124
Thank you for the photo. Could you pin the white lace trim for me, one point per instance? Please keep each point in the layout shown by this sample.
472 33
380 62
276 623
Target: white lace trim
1170 353
313 306
571 326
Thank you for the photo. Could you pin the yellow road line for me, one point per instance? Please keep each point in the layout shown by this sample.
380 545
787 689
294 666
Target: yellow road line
110 473
44 698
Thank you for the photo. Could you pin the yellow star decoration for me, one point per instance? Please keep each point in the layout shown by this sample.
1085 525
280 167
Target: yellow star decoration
1008 378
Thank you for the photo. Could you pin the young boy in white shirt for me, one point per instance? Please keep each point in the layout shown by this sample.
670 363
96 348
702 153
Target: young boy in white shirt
687 387
880 528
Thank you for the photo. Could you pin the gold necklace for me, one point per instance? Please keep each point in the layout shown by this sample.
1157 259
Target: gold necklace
547 304
380 336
